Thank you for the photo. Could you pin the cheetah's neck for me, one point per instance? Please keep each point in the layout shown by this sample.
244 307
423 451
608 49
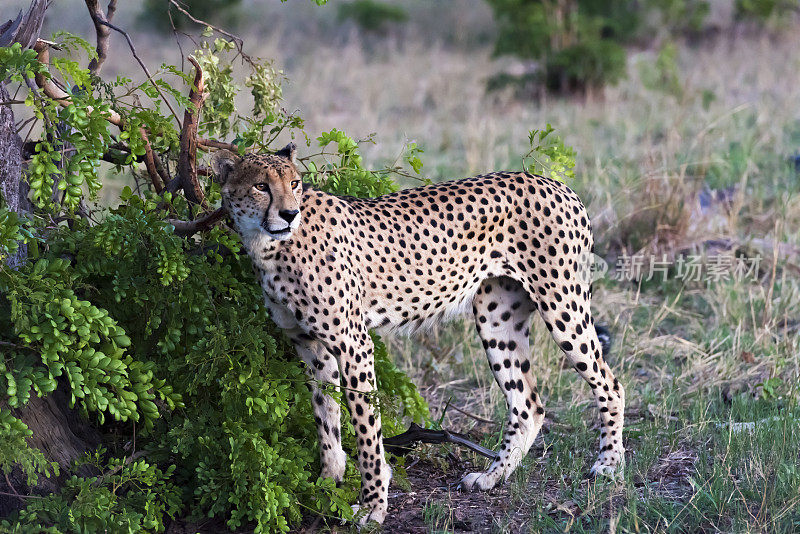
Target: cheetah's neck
262 248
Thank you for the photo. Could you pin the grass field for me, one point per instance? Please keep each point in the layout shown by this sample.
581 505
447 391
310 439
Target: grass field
706 172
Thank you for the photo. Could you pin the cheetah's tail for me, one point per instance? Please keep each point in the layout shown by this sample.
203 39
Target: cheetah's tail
604 336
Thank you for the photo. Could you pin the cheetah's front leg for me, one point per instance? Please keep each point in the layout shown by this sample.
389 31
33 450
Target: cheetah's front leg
356 360
323 368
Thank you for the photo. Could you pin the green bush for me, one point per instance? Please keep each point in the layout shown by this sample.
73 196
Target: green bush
764 10
549 156
156 13
159 339
133 496
370 15
663 75
588 64
578 45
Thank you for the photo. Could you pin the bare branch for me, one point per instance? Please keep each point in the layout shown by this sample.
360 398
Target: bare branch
24 29
212 143
188 228
56 93
6 494
471 415
144 67
150 164
11 486
415 433
238 41
102 31
112 8
31 86
187 158
15 346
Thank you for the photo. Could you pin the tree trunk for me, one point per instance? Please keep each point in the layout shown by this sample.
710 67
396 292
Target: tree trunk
62 436
12 189
24 30
58 431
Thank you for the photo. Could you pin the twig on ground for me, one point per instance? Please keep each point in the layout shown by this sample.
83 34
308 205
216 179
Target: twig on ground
415 433
472 415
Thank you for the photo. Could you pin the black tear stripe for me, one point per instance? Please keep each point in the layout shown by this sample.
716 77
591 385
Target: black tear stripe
264 221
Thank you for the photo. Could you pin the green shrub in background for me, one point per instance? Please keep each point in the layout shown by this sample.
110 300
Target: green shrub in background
156 13
160 340
764 10
578 45
371 16
672 18
585 65
663 75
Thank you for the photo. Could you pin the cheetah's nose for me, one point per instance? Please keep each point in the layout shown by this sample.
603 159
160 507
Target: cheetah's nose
288 215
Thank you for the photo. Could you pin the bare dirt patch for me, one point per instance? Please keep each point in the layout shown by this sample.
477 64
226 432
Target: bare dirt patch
461 511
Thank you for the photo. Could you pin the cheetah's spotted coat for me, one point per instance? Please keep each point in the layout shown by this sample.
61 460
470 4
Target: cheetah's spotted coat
331 268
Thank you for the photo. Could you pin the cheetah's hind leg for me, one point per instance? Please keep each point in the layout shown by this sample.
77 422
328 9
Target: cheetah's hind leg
502 311
572 326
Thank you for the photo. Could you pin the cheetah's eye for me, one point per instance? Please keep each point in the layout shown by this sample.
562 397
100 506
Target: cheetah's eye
295 184
262 186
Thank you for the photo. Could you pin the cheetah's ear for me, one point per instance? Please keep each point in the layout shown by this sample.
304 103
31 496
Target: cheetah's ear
289 151
223 162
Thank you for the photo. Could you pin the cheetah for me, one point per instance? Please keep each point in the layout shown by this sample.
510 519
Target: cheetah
505 245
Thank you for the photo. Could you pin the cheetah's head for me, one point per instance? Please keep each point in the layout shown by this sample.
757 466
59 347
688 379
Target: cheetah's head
261 192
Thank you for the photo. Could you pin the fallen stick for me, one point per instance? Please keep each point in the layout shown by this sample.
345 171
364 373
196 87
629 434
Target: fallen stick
398 444
472 415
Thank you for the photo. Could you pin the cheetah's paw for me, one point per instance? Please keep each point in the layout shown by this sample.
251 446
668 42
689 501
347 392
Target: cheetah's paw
334 464
363 515
606 469
479 481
